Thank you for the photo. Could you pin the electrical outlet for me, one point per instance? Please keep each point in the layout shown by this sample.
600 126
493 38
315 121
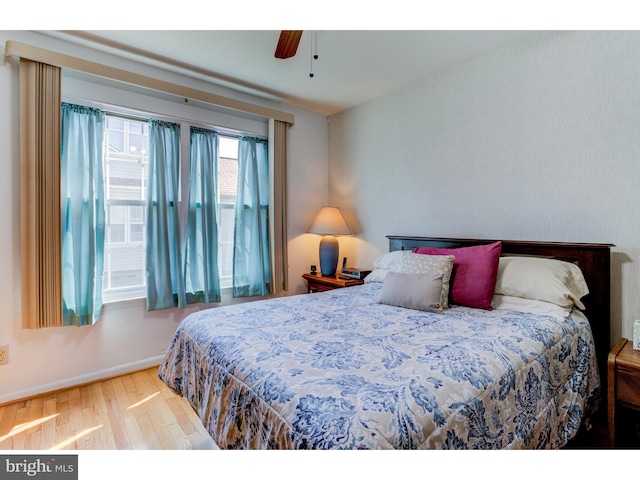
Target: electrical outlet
4 354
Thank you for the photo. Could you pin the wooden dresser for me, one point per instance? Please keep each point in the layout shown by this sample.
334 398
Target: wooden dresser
623 391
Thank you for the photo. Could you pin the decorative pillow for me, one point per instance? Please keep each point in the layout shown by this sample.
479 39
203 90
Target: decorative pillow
475 270
418 291
545 279
431 264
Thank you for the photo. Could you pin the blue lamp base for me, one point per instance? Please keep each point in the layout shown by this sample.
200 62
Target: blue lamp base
329 250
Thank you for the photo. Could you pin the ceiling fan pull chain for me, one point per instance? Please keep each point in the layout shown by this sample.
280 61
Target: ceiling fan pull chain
314 50
315 45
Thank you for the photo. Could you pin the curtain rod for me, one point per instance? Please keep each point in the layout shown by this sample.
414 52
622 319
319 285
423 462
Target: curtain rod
144 115
22 50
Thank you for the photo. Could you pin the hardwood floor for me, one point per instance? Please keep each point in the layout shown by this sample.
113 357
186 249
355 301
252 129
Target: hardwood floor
130 412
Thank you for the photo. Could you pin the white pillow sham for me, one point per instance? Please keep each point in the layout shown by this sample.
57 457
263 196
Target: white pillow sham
383 264
377 276
526 305
545 279
389 260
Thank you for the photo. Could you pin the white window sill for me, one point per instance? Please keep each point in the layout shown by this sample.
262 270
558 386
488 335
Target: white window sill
226 297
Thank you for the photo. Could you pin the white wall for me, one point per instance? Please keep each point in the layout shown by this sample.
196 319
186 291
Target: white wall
537 141
127 337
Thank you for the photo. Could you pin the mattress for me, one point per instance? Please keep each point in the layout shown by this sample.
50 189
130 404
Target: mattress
338 370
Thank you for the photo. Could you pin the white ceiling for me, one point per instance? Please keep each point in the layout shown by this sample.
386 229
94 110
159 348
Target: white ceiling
353 66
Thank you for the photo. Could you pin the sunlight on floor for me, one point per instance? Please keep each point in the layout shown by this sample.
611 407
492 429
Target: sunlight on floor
26 426
142 401
71 440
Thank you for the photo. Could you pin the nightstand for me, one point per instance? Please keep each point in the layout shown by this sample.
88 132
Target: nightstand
623 394
318 283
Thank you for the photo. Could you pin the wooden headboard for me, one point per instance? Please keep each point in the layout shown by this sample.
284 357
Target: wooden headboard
594 259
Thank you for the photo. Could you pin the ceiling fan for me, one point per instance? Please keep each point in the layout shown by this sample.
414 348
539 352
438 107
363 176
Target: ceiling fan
288 43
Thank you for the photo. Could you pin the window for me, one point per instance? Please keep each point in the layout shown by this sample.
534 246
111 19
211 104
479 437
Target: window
125 172
227 186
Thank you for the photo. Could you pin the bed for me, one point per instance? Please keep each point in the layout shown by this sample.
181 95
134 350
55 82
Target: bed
357 368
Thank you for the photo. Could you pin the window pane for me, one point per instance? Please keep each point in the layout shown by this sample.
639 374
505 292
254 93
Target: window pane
124 266
125 164
127 278
115 123
136 146
126 193
116 142
228 147
124 179
137 127
228 181
227 186
225 252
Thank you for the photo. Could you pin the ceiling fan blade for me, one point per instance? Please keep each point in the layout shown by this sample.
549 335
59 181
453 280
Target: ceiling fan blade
288 43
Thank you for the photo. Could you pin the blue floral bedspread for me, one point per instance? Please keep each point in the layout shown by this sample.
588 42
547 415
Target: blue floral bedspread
336 370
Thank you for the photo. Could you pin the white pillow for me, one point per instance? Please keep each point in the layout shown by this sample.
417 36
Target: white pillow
384 263
418 291
543 279
441 265
376 276
526 305
389 260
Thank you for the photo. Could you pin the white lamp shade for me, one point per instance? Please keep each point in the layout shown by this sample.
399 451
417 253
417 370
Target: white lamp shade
329 221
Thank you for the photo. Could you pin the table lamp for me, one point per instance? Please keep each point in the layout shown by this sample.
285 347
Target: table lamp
329 222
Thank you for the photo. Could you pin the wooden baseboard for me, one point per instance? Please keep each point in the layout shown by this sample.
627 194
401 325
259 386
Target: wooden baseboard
26 394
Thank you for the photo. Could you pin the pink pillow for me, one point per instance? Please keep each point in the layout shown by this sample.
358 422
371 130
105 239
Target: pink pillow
475 271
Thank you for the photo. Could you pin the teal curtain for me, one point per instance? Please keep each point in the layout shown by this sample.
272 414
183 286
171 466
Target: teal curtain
83 213
202 274
164 258
251 254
